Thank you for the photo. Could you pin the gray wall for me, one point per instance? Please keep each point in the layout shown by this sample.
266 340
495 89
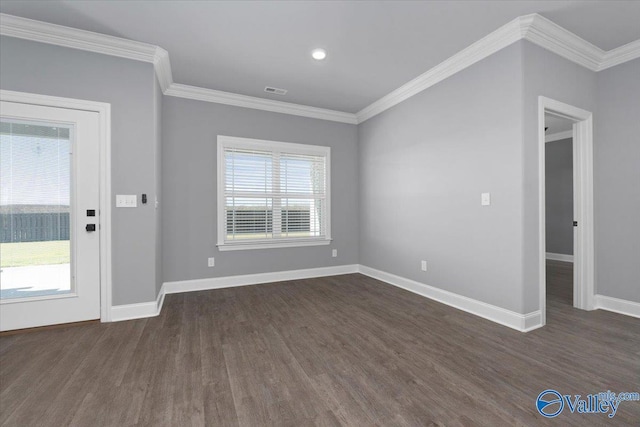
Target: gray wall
617 181
189 132
559 196
129 87
549 75
424 164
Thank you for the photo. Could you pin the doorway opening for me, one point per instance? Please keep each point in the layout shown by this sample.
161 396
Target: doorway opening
575 123
559 210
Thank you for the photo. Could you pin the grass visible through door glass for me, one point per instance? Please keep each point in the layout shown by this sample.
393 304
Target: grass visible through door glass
34 253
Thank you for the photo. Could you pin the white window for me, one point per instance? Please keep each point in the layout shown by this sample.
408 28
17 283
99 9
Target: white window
272 194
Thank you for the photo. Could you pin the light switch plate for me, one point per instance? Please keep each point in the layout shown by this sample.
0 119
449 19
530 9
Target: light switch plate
486 199
334 253
126 201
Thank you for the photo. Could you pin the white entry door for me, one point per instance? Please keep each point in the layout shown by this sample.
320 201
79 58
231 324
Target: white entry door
49 216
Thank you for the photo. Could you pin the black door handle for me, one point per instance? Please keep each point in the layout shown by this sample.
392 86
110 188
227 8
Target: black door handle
90 227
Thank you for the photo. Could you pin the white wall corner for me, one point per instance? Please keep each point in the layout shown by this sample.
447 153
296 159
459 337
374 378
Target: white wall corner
511 319
617 305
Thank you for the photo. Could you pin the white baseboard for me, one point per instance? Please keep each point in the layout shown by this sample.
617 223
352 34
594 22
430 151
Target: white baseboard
520 322
532 321
629 308
153 308
134 311
138 311
559 257
255 279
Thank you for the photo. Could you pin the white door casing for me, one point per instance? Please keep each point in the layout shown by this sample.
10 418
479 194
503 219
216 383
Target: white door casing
583 264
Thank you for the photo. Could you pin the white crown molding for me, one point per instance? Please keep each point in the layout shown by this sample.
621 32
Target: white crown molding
558 136
13 26
534 28
227 98
549 35
619 55
44 32
497 40
29 29
162 65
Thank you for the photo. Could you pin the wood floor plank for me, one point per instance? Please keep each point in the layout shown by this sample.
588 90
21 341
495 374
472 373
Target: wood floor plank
343 350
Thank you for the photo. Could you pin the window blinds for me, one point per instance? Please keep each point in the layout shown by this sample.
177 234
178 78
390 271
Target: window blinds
274 194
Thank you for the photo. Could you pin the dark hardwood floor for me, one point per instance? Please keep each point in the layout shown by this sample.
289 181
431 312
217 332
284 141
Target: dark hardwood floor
344 350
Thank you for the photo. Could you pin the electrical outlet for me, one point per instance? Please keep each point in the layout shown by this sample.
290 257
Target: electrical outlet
334 253
423 265
211 262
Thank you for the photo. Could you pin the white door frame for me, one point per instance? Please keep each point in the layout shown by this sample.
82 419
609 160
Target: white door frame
583 242
104 112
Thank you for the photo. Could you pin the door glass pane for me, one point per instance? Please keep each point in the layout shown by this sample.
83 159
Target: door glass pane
35 199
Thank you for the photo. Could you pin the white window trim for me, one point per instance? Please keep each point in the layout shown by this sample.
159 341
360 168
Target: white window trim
261 144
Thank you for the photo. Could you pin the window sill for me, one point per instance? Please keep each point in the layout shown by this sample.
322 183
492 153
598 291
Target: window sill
271 245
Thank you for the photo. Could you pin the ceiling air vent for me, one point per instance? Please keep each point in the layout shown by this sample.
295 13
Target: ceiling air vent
275 90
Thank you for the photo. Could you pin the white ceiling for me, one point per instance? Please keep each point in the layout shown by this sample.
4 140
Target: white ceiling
373 47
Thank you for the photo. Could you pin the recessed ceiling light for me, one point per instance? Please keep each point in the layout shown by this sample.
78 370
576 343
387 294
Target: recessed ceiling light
319 54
